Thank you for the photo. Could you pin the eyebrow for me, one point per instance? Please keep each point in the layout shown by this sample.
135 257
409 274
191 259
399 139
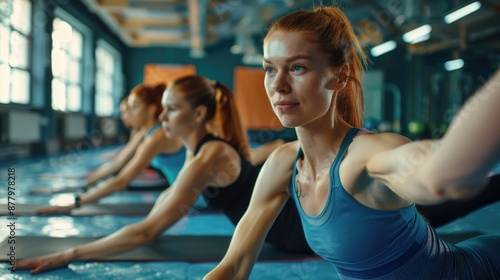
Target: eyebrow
295 57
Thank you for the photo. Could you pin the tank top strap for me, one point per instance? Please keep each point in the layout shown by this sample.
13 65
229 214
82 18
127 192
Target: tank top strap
350 135
205 139
153 129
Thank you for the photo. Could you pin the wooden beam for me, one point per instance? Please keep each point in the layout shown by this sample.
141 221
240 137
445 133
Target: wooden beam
426 48
144 4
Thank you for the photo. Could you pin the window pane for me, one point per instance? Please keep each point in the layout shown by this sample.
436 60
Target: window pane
58 95
108 84
74 98
104 106
59 59
19 50
20 86
21 16
108 63
105 80
62 34
74 71
4 43
4 83
76 44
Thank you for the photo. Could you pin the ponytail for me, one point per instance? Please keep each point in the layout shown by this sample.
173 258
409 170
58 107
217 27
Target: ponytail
228 120
222 118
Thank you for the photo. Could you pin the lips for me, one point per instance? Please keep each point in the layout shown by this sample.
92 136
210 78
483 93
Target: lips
284 105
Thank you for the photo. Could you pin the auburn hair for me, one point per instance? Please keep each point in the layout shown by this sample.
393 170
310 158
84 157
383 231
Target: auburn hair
222 118
329 28
150 95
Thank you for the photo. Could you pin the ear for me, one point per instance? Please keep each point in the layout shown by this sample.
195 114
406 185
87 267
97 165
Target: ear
342 76
200 113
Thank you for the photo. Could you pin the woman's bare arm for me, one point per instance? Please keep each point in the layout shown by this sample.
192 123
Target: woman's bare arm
268 198
455 167
169 208
118 161
139 162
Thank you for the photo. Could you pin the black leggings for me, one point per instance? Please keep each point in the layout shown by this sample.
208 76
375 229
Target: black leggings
438 215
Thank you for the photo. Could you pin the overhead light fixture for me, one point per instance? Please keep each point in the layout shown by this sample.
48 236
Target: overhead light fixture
454 64
383 48
421 39
418 34
462 12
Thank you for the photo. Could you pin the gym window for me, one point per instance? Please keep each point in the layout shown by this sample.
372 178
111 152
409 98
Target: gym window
15 34
107 80
67 59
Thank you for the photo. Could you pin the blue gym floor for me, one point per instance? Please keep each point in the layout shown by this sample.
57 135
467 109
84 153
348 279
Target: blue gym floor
199 223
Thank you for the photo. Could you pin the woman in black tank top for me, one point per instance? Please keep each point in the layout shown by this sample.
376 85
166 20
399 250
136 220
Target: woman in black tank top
202 113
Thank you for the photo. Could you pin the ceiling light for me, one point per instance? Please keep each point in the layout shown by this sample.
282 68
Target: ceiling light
383 48
462 12
417 34
454 64
421 39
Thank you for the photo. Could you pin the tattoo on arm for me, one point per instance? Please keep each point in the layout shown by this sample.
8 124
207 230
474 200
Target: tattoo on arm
299 191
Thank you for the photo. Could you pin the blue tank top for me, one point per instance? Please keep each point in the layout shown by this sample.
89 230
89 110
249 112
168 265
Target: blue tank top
366 243
339 234
168 164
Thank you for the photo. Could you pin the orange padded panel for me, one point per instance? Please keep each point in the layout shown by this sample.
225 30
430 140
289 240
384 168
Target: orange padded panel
156 73
251 100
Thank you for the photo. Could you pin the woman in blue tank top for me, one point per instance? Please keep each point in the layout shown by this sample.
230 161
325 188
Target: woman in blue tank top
156 150
218 167
355 190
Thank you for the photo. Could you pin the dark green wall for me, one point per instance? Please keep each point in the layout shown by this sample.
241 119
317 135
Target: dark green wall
218 63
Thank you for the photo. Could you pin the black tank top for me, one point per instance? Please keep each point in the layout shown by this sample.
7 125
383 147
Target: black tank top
233 199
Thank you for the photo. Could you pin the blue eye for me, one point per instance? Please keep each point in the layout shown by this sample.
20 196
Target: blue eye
268 70
297 68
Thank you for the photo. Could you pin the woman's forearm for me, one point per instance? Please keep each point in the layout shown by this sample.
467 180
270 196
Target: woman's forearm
471 146
103 172
108 187
126 239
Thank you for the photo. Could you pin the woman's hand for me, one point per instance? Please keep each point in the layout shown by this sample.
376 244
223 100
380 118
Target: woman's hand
49 262
55 210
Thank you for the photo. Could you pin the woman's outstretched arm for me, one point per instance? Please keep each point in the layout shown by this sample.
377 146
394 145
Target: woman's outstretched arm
139 162
455 167
168 209
471 147
268 198
118 161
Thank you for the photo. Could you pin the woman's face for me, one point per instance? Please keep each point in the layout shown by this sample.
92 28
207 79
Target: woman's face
138 111
124 113
299 81
178 116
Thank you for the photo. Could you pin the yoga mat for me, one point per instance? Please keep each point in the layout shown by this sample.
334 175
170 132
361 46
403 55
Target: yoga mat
133 209
67 175
156 184
187 248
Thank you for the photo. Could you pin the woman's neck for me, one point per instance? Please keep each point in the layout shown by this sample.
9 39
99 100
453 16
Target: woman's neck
321 143
148 125
191 141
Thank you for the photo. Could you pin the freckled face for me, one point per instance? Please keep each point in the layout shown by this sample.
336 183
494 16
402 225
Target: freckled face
138 114
298 79
177 117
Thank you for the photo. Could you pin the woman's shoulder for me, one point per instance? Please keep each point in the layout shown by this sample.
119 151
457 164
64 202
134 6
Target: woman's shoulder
368 144
284 156
216 149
